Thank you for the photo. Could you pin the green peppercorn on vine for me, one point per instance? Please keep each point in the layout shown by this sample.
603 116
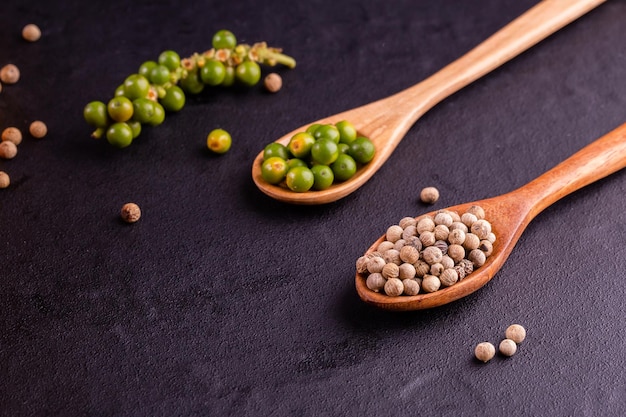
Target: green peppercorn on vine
162 86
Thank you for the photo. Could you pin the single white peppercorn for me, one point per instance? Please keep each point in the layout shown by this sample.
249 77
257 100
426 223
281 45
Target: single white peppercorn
456 237
375 281
429 195
392 256
477 257
492 237
384 246
361 264
436 269
471 241
273 82
394 287
430 283
406 271
407 221
477 211
375 264
411 287
484 351
409 254
399 244
428 238
507 347
130 212
456 252
459 225
391 270
447 262
12 134
441 232
5 180
486 246
409 232
449 277
38 129
432 255
454 214
425 224
468 219
421 268
443 218
481 228
443 246
394 233
8 150
415 242
31 32
516 333
9 74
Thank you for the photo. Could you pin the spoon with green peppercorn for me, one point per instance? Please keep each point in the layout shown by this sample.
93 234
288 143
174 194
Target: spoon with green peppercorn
386 121
510 214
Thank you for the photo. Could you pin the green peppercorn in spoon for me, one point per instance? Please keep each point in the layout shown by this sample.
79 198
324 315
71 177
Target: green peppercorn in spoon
510 214
386 121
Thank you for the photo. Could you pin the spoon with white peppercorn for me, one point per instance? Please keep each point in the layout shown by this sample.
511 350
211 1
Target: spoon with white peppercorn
386 121
510 214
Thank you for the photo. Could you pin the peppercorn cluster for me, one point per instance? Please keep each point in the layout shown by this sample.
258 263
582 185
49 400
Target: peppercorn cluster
424 254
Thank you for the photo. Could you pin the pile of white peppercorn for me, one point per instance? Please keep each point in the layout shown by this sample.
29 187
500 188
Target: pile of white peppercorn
424 254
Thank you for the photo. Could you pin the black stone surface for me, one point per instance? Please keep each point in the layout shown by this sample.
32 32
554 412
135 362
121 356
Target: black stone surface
221 301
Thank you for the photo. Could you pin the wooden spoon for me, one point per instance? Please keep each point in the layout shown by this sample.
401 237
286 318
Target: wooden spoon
510 213
386 121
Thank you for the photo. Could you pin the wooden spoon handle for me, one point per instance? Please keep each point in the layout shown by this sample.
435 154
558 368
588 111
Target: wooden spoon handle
595 161
536 24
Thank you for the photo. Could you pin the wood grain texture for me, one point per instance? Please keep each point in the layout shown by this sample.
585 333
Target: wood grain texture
511 213
386 121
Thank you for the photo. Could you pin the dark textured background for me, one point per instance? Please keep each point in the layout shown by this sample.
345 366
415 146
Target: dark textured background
221 301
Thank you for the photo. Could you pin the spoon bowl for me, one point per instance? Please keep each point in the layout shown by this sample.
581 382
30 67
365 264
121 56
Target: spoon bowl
385 122
510 214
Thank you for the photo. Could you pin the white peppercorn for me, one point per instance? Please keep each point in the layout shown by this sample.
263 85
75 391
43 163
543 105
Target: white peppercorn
12 134
467 265
406 271
130 212
468 219
484 351
477 211
456 237
421 268
471 241
9 74
400 243
407 221
486 246
455 215
492 237
447 261
425 224
516 333
394 287
38 129
411 287
443 246
477 257
443 218
481 228
409 254
361 264
436 269
449 277
31 32
375 282
392 256
375 264
273 82
429 195
432 255
441 232
390 270
430 283
384 246
456 252
5 180
415 242
507 347
409 231
8 150
460 270
394 233
428 238
459 225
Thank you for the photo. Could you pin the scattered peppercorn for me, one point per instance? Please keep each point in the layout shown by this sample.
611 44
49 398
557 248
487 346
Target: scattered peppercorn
508 347
516 333
5 181
130 212
9 74
38 129
12 134
484 351
8 150
428 251
31 32
273 82
429 195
